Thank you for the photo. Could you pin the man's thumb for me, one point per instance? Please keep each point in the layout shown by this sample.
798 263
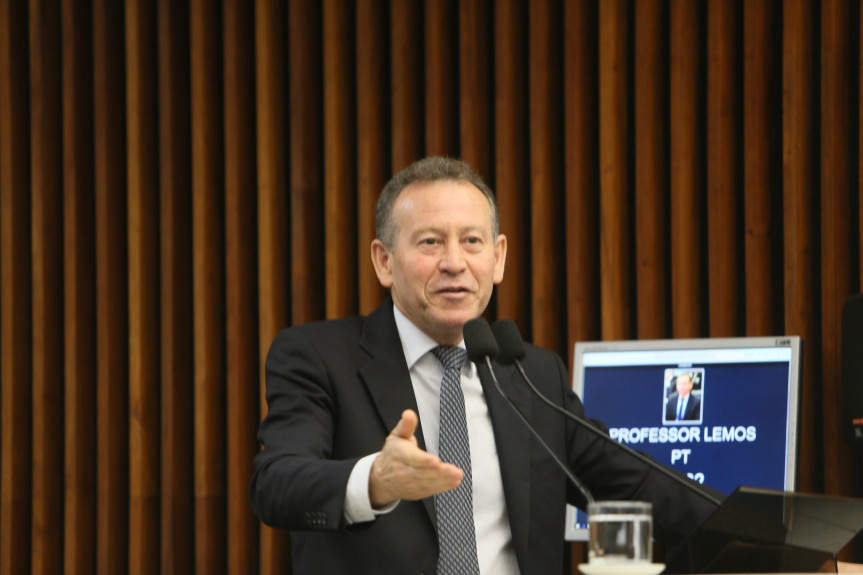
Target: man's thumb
407 425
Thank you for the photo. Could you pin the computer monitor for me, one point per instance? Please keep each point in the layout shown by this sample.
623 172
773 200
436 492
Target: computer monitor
738 425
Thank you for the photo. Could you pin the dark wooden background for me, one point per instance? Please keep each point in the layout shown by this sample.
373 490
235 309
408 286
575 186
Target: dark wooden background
180 179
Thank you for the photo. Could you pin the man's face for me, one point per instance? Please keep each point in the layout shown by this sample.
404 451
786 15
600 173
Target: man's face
445 261
684 384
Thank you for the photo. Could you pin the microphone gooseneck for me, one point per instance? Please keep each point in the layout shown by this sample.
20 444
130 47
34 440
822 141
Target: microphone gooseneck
512 350
481 349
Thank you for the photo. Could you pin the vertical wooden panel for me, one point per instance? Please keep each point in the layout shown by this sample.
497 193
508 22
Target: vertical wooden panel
511 157
546 183
241 285
615 236
406 53
143 217
111 289
47 237
274 290
175 242
836 230
372 146
723 168
799 135
760 185
79 289
208 288
651 177
582 175
422 72
306 160
443 61
686 171
339 159
15 292
475 80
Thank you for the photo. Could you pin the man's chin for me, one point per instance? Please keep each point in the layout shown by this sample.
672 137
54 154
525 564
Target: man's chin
455 321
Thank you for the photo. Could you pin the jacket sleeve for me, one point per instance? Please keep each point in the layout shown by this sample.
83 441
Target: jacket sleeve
296 484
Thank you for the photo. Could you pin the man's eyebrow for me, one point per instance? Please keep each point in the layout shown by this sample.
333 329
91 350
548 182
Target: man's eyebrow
437 230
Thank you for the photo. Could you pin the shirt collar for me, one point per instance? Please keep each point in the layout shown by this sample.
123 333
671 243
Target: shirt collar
415 342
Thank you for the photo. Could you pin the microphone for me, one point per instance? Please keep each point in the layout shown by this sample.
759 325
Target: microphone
481 349
512 351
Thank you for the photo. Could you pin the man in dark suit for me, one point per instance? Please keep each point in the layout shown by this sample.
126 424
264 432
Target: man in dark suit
351 436
683 405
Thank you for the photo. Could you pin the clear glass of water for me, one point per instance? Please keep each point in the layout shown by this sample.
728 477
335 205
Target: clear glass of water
620 532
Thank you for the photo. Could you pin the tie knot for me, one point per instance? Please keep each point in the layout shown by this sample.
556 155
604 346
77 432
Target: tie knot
450 356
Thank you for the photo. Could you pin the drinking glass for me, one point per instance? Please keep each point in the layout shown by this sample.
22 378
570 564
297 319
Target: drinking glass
620 532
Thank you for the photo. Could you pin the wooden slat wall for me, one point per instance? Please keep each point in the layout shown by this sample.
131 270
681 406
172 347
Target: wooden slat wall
799 204
615 139
512 174
723 221
143 264
651 169
208 284
181 179
79 267
760 161
47 237
112 293
544 96
241 274
581 170
272 212
837 239
373 127
16 327
175 290
686 145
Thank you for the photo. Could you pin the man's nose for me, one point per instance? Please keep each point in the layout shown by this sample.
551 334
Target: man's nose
453 259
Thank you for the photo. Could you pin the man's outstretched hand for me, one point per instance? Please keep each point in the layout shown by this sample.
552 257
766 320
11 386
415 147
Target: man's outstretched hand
404 471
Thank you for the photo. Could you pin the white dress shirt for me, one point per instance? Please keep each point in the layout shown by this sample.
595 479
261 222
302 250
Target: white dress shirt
493 536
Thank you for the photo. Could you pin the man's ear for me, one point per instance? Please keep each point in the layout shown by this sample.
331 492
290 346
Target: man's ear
499 258
382 260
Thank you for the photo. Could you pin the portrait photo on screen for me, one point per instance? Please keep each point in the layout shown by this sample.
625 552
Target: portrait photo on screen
683 397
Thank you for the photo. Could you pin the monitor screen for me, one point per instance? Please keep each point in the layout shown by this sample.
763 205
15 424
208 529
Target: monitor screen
722 410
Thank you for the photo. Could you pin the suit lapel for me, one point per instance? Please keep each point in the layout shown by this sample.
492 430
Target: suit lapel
513 448
386 375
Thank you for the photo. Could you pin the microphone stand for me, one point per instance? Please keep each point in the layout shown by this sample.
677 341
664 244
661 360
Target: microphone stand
588 496
590 427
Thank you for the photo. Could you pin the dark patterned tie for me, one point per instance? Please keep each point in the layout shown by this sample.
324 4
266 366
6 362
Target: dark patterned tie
454 508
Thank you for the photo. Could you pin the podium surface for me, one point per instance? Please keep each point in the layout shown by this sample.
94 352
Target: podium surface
768 531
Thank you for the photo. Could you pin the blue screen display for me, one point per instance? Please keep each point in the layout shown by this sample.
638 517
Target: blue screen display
739 440
733 428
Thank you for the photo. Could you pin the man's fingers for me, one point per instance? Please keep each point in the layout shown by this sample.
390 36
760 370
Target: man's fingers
404 471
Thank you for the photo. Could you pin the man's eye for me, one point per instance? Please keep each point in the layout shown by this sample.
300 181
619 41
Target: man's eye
429 241
473 240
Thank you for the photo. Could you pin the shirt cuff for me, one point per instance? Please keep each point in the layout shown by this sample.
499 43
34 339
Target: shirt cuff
358 506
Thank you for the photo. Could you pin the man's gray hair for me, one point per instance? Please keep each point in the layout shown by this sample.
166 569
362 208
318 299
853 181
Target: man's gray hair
432 169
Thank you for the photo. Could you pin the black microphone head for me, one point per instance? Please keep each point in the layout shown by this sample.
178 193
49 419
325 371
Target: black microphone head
479 340
509 341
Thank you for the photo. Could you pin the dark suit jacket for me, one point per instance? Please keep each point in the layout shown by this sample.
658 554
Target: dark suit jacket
692 411
334 391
